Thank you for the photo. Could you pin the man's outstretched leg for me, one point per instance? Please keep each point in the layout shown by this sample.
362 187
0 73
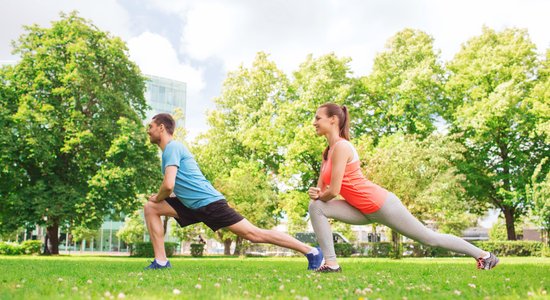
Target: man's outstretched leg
254 234
153 211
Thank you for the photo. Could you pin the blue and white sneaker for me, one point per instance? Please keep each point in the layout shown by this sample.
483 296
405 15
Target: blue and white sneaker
315 261
155 266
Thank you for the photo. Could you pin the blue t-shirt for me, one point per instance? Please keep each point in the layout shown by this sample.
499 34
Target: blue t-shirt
191 187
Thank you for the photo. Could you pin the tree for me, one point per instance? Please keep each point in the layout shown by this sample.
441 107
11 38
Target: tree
404 92
489 84
77 146
133 229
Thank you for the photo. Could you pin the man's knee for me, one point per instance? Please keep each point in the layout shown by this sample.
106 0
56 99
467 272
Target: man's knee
149 208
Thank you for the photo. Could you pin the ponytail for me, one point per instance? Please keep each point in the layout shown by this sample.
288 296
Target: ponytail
343 121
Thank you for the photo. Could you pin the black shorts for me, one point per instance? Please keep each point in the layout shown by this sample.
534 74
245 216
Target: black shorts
215 215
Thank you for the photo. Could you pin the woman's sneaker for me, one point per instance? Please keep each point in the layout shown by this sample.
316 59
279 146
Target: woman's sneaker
487 263
328 269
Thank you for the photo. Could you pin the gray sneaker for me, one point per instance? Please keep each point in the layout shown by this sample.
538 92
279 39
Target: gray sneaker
327 269
487 263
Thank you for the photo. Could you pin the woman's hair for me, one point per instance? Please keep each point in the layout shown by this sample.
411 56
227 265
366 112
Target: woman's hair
342 113
167 121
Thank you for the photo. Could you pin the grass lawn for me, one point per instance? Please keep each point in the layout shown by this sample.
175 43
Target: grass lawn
81 277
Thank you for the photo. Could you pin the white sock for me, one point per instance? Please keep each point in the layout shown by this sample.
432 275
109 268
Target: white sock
486 256
313 251
162 262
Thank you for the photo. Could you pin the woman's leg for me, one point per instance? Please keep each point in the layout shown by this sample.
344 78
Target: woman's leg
340 210
396 216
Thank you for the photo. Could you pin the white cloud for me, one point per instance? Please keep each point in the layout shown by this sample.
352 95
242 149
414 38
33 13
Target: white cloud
155 55
105 14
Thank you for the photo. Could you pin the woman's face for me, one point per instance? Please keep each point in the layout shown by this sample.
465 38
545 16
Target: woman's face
322 122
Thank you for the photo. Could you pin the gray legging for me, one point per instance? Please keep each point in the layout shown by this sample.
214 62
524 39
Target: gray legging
392 214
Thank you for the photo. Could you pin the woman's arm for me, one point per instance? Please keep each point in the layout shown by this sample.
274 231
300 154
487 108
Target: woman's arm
340 157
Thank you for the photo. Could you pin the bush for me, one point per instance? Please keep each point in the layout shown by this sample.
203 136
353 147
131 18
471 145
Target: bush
419 250
512 248
378 249
31 247
10 248
343 249
197 250
145 249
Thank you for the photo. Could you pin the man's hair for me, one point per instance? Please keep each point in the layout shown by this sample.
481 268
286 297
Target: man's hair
167 121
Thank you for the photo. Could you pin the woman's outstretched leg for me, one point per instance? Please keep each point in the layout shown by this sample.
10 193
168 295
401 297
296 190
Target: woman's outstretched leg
396 216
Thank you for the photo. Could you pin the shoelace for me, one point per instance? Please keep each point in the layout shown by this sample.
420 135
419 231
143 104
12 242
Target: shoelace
480 263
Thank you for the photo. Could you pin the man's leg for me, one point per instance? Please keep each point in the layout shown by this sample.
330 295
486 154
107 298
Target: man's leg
153 211
254 234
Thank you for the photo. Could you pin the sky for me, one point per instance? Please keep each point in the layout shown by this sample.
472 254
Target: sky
199 42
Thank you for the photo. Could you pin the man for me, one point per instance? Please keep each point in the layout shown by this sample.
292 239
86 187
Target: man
196 200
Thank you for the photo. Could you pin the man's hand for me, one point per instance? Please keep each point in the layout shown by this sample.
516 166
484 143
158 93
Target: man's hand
314 193
153 198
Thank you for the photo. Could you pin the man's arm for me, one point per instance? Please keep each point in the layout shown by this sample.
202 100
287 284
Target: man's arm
167 185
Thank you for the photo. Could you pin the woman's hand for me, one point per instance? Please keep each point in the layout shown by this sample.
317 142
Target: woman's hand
314 193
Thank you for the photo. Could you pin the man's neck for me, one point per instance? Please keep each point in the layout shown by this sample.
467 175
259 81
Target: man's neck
164 140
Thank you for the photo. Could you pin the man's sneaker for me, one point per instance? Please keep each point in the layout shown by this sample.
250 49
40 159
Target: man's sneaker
327 269
315 260
155 265
487 263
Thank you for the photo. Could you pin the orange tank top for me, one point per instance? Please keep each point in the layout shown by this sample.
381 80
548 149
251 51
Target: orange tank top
358 191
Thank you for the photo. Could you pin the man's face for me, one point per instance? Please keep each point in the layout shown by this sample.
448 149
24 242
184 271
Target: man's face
154 131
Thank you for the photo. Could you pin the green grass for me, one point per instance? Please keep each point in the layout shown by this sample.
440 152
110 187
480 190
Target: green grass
74 277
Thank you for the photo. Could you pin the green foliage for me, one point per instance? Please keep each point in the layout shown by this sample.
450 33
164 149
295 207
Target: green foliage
188 233
512 248
420 250
76 150
498 231
7 248
133 230
404 89
343 249
197 250
378 249
31 247
538 193
145 249
81 233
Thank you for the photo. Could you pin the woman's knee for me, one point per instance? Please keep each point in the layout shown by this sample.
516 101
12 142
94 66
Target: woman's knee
315 207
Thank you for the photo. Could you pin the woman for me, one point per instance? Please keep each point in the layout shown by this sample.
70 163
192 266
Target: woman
365 202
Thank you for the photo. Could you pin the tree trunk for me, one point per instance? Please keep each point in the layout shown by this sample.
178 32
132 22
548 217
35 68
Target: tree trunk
227 246
510 227
52 232
239 246
46 248
396 243
165 224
